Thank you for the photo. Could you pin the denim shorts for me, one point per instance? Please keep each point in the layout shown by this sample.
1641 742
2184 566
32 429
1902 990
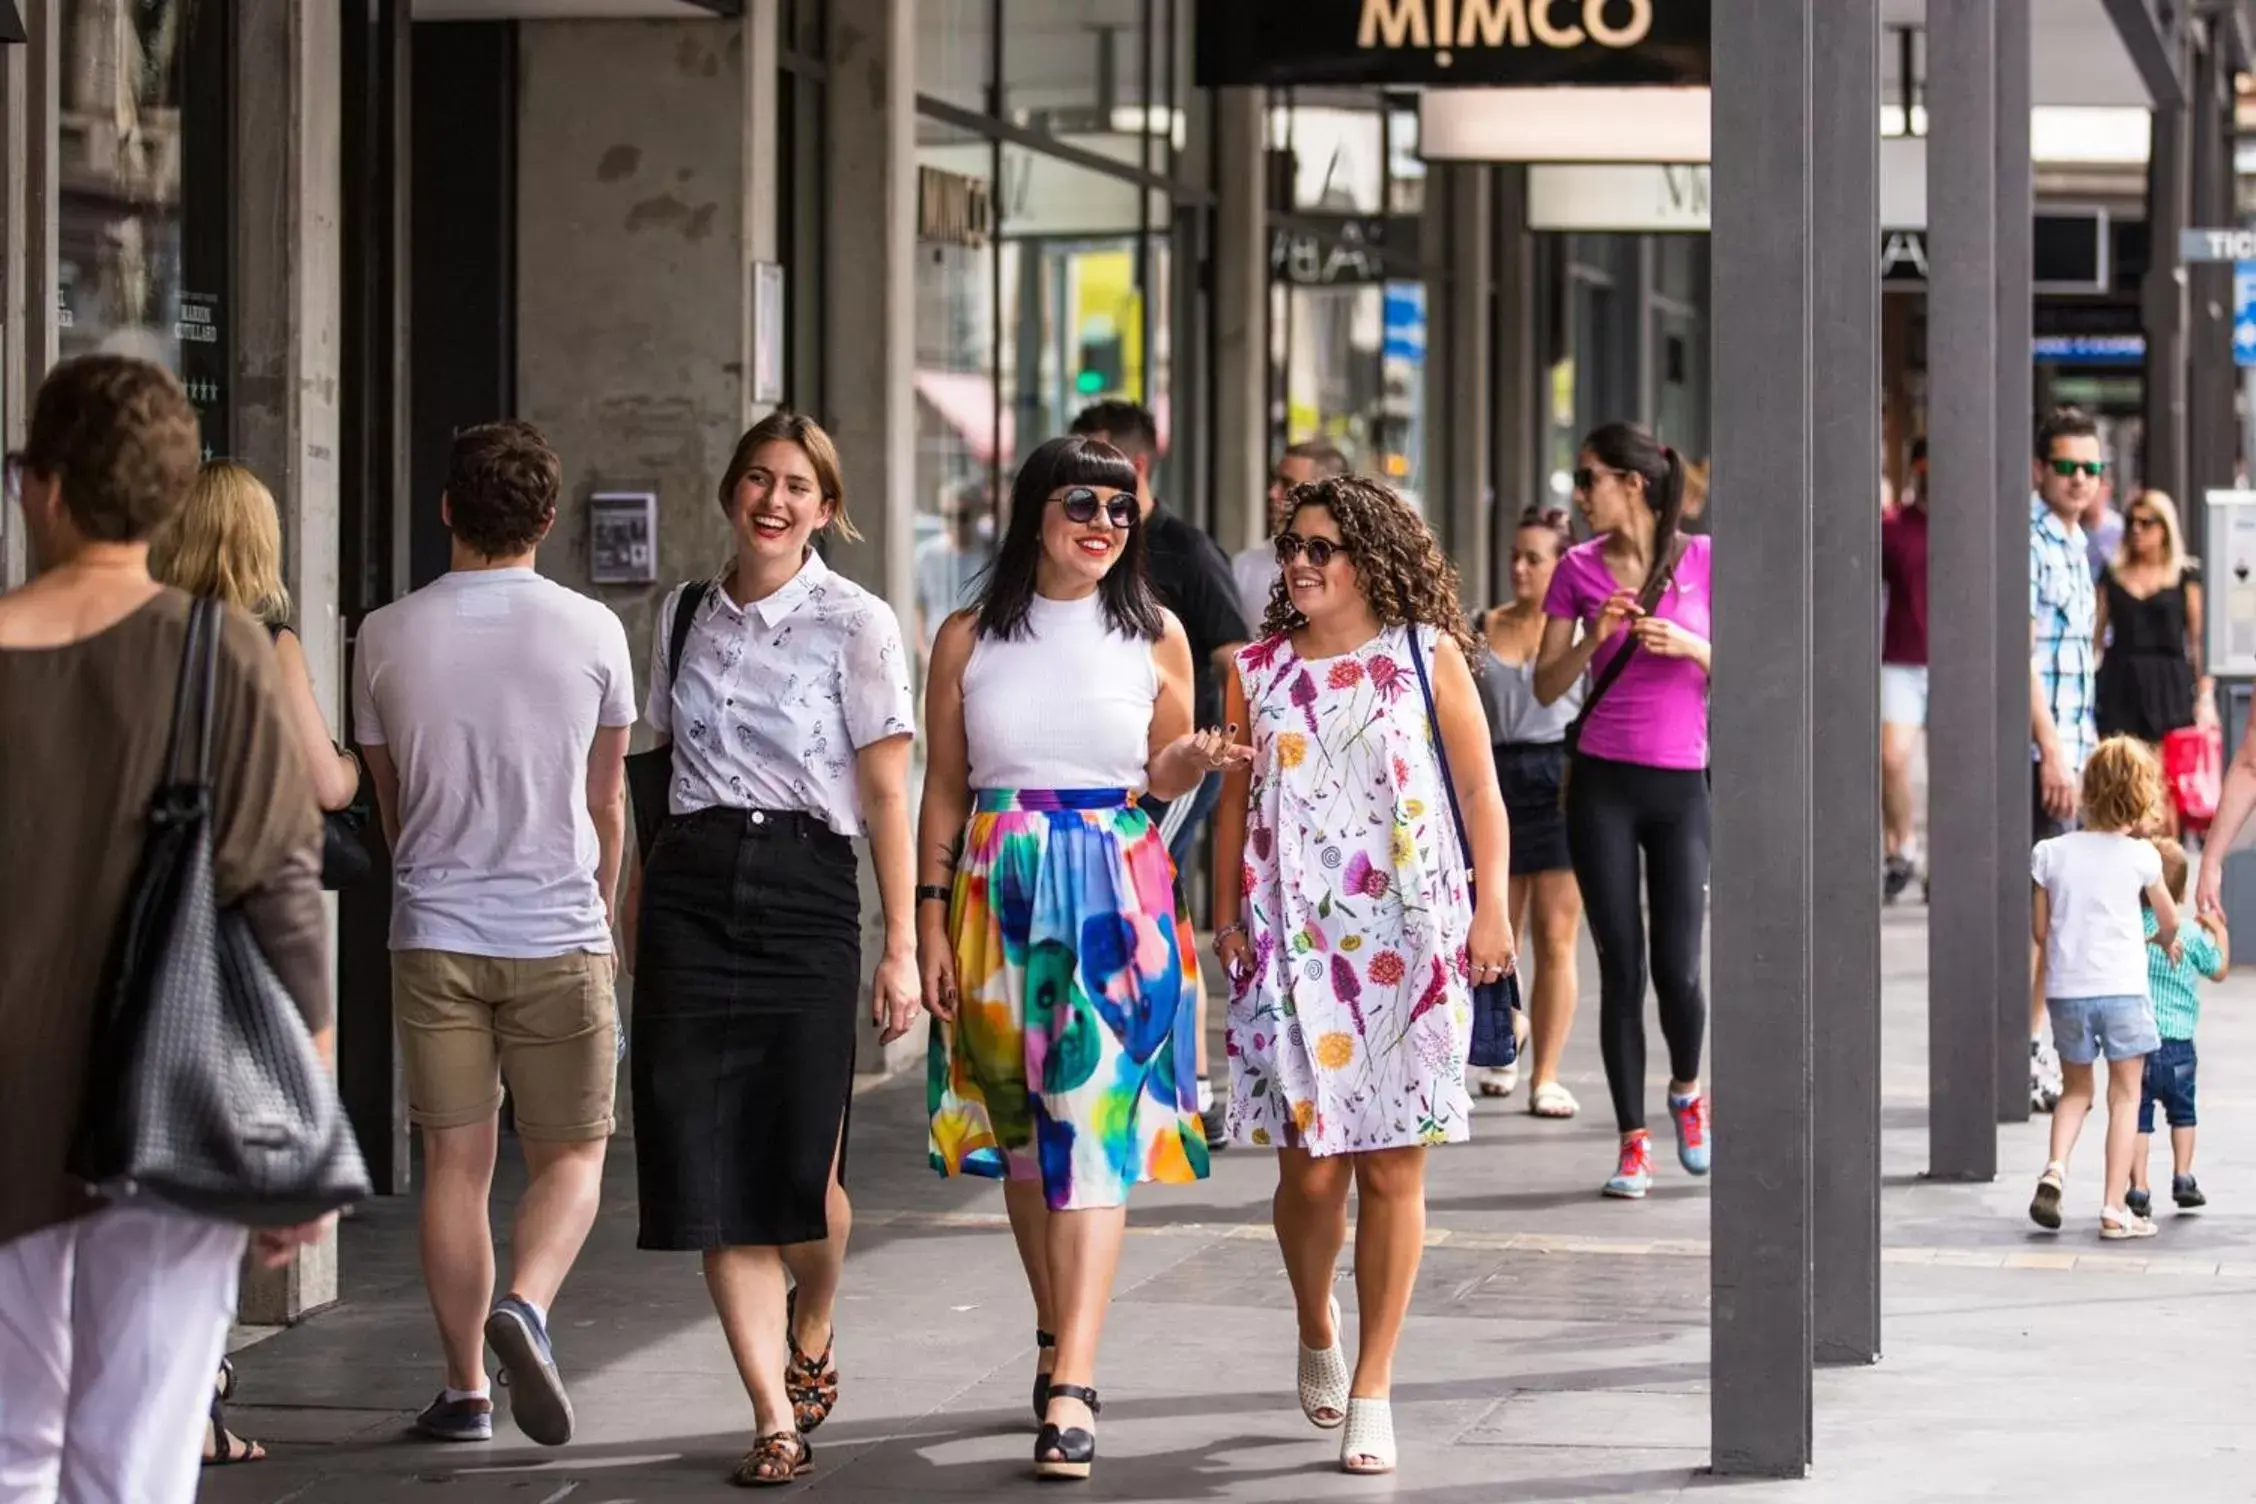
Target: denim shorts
2084 1028
2169 1085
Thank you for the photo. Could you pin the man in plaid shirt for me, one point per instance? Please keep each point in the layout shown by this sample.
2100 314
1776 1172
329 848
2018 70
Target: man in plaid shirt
2069 470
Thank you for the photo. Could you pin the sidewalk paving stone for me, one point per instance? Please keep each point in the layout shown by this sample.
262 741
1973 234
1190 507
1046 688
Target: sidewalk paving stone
1556 1350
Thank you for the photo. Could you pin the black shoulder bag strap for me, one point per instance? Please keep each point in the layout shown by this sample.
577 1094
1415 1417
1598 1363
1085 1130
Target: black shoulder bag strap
677 631
650 774
1656 585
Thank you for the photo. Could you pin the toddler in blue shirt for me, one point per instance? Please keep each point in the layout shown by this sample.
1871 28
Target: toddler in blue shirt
2175 988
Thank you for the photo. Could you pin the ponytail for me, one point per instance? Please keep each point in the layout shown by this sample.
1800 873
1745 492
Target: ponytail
1667 501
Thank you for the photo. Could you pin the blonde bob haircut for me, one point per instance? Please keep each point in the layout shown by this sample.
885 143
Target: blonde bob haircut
226 543
2174 560
2122 788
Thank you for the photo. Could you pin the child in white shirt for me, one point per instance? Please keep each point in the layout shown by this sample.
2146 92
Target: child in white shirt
2089 920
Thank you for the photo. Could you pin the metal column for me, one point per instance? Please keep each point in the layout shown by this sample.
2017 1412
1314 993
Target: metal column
2212 433
2016 314
2163 300
1241 319
1764 226
1965 696
1845 740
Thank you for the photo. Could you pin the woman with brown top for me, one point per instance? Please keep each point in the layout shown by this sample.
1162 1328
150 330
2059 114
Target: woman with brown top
112 1319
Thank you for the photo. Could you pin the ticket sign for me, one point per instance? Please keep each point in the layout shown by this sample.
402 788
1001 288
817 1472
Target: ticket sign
1439 43
2217 245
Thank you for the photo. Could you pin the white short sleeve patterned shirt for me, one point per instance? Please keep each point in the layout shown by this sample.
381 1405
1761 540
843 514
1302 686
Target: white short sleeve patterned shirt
2063 610
773 699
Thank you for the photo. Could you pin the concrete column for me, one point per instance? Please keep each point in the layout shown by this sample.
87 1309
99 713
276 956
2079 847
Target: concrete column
760 198
1845 741
869 352
1517 462
2212 432
1241 319
2013 209
1458 490
2163 298
288 327
17 235
1764 229
1965 977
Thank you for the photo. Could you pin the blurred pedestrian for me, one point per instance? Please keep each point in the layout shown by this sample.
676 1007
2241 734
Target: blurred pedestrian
1189 576
1255 569
2150 680
1903 675
1352 951
2070 474
1531 761
790 720
1631 607
1051 942
493 708
113 1319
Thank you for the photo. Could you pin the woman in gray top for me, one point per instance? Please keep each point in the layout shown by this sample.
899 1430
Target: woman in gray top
1530 740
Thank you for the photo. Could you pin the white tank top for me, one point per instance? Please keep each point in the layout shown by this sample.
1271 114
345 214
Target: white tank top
1067 706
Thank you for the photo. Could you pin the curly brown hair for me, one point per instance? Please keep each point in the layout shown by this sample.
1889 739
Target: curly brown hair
2122 788
118 435
1399 566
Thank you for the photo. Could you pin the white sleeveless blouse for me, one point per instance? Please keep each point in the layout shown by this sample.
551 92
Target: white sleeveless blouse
1067 706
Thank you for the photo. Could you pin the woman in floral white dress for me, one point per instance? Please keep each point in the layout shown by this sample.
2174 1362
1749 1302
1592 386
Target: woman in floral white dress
1354 947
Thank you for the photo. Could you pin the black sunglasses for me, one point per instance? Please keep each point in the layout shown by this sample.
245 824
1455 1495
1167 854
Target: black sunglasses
1082 505
2068 468
1320 551
1587 476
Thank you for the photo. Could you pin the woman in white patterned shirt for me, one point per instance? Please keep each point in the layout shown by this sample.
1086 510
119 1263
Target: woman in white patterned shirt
791 721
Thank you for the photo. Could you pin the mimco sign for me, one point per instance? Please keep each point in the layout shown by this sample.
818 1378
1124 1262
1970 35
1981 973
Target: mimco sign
1466 42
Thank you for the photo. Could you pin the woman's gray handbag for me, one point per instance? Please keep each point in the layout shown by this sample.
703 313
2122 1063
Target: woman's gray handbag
203 1091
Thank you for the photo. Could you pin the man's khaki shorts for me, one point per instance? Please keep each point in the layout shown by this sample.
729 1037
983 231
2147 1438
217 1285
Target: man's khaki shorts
547 1026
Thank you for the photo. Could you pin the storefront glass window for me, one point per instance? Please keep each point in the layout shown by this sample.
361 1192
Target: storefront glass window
143 224
954 51
1086 70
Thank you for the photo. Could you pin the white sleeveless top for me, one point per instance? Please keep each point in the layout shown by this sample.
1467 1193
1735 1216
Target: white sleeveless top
1067 706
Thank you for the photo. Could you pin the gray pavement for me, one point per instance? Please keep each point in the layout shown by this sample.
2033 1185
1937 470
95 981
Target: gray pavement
1557 1349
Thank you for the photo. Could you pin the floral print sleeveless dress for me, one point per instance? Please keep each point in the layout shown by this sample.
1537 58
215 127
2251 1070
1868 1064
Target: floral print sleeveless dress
1351 1033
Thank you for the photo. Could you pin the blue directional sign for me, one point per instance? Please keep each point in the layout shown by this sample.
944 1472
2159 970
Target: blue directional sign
2244 313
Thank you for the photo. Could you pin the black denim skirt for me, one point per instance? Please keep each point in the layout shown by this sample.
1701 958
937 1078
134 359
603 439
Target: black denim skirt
747 988
1530 774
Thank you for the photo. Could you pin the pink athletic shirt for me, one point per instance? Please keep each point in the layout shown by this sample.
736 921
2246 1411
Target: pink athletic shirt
1656 715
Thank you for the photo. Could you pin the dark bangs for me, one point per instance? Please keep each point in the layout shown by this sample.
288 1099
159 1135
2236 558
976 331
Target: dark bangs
1130 608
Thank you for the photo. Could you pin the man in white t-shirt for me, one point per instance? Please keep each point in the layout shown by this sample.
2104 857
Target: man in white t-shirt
493 707
1255 569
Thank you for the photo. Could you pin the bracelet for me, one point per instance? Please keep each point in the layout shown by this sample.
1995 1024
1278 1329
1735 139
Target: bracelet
1227 931
934 893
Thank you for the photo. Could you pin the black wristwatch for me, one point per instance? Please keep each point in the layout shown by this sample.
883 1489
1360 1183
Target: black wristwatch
934 893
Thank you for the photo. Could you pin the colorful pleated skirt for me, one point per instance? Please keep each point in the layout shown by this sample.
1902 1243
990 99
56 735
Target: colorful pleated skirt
1073 1057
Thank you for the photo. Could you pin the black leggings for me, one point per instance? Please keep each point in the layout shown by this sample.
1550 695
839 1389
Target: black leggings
1615 812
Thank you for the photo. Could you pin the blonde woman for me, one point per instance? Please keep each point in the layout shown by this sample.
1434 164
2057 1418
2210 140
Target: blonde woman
227 544
2150 673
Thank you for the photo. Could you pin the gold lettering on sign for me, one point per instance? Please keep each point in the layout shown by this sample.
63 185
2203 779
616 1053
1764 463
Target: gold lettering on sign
1394 23
1502 23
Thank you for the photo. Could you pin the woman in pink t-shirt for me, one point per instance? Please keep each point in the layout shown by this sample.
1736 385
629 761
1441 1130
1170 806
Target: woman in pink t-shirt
1638 790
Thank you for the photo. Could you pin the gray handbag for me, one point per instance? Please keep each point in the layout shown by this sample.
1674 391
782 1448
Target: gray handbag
203 1090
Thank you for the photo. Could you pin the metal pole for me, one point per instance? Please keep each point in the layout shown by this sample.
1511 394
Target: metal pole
1845 740
2163 300
2016 207
1765 450
1962 564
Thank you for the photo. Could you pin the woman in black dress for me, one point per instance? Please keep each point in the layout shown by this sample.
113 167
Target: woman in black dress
790 719
2150 612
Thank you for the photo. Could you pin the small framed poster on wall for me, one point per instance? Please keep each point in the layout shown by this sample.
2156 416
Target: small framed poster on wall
623 537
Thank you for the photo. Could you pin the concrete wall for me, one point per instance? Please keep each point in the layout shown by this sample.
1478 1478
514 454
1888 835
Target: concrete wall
633 280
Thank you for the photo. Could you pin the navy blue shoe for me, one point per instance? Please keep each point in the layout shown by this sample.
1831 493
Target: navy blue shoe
2140 1203
537 1401
456 1420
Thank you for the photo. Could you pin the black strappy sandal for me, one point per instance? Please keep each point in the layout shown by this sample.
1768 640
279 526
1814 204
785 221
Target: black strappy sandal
811 1384
1043 1343
1076 1448
777 1459
227 1449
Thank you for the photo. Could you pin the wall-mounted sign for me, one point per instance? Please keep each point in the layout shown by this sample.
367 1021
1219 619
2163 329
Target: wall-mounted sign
1565 124
623 537
1453 42
1617 198
1342 250
953 209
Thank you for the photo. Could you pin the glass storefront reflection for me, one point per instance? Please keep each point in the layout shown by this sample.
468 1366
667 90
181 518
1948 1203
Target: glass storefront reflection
143 215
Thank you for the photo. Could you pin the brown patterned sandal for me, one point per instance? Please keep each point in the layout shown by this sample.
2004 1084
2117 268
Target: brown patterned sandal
811 1384
774 1460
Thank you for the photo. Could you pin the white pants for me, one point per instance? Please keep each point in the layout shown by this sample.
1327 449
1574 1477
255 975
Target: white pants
111 1332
